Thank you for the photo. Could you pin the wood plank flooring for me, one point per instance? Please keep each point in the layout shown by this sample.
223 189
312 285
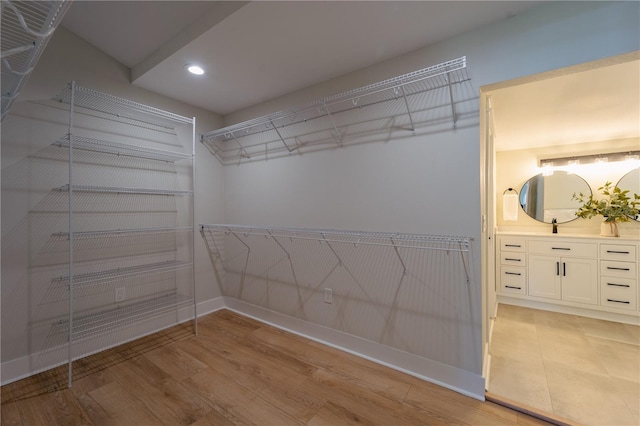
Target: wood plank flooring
238 371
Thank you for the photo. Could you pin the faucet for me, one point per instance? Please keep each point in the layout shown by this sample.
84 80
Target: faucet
554 223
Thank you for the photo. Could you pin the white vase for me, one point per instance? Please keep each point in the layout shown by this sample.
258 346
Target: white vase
609 229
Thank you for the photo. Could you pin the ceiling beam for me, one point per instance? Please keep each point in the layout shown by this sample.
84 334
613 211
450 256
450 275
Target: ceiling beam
216 14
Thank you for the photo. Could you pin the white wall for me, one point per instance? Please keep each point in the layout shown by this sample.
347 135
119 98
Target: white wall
430 183
31 127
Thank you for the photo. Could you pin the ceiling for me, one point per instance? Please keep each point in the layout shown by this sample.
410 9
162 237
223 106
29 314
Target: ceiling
256 51
598 104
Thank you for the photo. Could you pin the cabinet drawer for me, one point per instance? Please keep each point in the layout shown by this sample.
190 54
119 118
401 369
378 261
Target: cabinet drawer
512 244
618 252
619 295
610 268
514 259
564 249
513 280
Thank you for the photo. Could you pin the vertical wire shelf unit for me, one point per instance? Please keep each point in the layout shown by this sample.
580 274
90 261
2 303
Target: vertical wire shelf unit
152 291
433 96
26 27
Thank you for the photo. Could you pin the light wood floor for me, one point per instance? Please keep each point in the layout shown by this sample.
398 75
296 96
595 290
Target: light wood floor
238 371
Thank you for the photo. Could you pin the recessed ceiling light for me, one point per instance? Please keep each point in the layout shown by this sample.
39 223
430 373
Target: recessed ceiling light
195 69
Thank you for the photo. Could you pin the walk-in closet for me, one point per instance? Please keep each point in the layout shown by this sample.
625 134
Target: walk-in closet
271 212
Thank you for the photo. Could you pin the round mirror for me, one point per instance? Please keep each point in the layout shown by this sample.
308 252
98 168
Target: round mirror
545 198
631 182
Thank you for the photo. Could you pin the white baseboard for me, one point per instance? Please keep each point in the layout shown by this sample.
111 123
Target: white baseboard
453 378
459 380
19 368
209 306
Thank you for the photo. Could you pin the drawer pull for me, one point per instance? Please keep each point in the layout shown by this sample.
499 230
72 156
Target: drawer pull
617 252
617 269
512 259
513 245
618 301
619 285
560 248
518 288
513 273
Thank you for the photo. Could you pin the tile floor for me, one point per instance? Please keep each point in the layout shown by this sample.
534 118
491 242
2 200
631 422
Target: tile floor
582 369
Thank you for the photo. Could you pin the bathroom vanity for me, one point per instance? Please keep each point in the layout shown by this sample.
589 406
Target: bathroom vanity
584 275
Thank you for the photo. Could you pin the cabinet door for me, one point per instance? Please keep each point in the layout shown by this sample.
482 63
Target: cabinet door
544 278
579 280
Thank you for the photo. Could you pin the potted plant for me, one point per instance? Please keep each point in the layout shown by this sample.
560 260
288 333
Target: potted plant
617 206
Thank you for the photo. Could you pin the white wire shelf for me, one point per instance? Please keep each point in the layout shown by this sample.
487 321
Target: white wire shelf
397 245
26 29
107 147
123 190
121 232
418 241
121 108
337 120
121 273
87 324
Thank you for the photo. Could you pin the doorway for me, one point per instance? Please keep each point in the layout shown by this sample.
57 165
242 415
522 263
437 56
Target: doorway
559 111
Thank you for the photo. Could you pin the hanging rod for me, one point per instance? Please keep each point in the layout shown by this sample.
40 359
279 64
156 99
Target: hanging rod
316 122
385 239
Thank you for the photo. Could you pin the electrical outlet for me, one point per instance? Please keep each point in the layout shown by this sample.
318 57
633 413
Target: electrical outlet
121 294
328 295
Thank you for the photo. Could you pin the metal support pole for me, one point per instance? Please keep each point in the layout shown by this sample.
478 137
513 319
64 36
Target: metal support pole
193 223
70 336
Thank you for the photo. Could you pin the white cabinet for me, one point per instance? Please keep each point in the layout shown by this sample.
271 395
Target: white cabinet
579 280
618 276
565 270
580 272
565 278
511 266
545 278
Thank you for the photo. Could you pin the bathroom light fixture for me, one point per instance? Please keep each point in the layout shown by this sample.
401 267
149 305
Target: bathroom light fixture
587 159
632 156
195 69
